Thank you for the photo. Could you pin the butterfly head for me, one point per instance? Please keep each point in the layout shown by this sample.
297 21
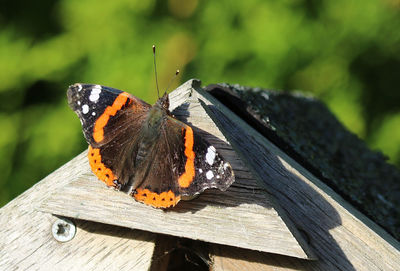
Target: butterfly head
163 102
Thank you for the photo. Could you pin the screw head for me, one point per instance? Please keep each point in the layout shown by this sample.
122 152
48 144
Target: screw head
63 229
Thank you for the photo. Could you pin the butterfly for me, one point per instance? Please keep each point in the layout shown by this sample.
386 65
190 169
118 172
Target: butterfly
143 149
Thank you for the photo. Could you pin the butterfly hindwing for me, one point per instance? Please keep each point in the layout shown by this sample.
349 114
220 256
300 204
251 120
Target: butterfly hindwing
182 164
211 170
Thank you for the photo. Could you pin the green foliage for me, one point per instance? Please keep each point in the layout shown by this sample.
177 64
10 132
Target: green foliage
346 52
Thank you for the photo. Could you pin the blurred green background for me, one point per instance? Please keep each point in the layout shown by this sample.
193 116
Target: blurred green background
345 52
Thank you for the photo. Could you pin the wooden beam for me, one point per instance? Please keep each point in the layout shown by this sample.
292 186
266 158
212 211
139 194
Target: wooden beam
26 240
341 237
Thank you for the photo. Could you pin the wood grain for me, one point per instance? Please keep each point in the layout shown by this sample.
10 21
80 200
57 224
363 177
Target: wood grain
341 237
243 216
26 241
238 259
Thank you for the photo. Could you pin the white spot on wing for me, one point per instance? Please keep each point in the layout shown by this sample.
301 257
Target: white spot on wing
94 97
209 175
95 93
210 156
85 109
78 102
79 87
200 170
93 113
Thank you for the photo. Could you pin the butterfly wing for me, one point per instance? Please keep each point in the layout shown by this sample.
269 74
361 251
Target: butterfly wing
110 121
103 110
182 164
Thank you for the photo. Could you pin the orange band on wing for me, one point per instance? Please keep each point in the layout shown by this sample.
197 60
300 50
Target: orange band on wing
101 122
163 200
99 169
187 177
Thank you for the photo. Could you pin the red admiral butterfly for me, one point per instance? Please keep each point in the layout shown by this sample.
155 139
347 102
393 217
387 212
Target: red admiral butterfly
143 150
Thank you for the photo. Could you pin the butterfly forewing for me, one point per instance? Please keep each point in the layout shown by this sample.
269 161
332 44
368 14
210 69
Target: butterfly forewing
103 111
110 121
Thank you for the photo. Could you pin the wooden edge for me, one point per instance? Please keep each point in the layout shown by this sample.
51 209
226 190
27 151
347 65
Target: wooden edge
341 237
351 209
208 100
237 259
27 242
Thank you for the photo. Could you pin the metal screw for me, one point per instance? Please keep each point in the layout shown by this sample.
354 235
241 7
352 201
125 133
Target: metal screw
63 230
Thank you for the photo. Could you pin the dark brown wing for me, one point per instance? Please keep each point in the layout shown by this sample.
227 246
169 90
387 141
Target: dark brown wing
111 120
104 111
180 163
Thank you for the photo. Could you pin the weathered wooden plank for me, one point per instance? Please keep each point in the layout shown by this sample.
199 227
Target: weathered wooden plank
307 131
341 237
243 216
26 241
237 259
231 218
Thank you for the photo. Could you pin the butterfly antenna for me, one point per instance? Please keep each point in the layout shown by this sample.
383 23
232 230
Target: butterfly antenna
173 78
155 69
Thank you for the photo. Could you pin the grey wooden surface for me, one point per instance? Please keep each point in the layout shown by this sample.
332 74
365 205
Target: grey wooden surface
26 242
341 237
